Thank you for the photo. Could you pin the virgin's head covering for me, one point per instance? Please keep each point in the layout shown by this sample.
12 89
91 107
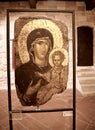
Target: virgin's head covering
39 33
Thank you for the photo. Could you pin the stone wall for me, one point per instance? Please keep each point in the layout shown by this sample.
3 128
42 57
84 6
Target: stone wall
82 17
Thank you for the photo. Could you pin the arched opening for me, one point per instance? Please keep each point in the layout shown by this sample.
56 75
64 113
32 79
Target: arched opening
85 46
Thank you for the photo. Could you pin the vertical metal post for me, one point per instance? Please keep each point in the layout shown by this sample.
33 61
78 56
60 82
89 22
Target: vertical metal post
8 72
74 73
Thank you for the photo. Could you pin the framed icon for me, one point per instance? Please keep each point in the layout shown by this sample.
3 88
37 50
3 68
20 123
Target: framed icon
41 61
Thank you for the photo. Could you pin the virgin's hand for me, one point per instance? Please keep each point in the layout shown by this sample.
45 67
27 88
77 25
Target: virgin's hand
32 89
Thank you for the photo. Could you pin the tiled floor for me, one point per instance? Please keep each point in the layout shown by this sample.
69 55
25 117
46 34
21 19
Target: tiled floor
85 113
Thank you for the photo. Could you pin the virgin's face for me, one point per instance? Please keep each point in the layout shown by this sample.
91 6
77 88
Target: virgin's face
40 49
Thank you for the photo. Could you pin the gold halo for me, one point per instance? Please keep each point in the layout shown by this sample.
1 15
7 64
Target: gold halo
34 24
64 51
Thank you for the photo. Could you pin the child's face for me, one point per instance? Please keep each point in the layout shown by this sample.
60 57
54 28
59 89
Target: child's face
57 61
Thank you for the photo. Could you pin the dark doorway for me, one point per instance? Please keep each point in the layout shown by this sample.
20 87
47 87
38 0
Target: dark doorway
85 46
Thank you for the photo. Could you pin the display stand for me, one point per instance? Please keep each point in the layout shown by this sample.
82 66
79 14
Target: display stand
71 39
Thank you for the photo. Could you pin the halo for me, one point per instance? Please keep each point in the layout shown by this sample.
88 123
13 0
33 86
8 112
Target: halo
64 51
34 24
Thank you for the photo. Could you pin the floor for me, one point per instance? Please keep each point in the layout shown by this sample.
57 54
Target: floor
85 113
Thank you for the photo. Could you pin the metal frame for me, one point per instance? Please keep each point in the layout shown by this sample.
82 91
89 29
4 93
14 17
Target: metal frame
73 109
